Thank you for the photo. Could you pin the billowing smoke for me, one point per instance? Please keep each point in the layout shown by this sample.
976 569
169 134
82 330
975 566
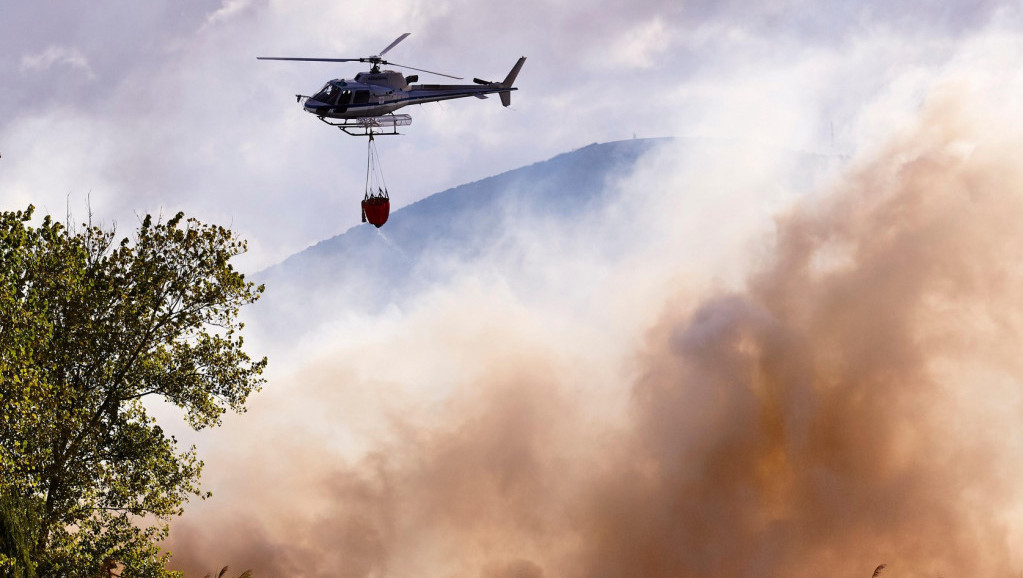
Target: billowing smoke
855 400
857 403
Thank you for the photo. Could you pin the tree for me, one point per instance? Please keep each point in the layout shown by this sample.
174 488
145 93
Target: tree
89 330
15 539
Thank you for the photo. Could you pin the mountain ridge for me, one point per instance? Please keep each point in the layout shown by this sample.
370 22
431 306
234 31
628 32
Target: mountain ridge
365 268
431 240
628 151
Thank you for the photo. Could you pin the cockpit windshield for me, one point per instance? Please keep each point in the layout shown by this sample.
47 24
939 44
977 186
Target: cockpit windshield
327 94
333 94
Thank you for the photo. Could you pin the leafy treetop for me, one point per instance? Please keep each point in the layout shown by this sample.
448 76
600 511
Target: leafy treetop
89 328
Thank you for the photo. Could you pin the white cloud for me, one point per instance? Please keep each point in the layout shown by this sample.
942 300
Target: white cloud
192 120
228 10
57 55
642 46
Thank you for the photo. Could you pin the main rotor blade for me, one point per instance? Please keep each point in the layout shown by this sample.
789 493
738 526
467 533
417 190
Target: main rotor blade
372 59
423 70
393 44
311 59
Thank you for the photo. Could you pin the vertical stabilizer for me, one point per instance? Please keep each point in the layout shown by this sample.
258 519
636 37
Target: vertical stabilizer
509 80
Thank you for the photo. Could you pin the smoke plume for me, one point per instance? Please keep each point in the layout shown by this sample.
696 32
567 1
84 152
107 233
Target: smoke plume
855 401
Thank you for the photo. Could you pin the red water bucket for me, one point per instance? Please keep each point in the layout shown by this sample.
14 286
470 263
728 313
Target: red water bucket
375 210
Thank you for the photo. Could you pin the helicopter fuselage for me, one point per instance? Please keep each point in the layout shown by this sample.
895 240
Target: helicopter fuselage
377 93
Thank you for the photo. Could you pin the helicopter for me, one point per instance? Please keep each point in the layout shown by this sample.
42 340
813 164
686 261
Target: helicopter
365 105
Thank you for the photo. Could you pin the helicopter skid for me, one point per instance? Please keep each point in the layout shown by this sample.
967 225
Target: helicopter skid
371 125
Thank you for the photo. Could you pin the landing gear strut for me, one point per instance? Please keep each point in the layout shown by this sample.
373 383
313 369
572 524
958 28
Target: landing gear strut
367 126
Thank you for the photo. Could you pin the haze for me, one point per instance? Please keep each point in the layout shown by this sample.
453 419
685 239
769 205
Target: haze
716 373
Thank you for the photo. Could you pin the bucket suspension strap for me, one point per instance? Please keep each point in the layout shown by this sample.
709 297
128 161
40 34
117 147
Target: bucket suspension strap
375 184
376 205
369 164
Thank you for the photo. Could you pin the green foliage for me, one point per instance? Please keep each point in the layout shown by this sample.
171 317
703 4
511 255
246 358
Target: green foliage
17 528
88 330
